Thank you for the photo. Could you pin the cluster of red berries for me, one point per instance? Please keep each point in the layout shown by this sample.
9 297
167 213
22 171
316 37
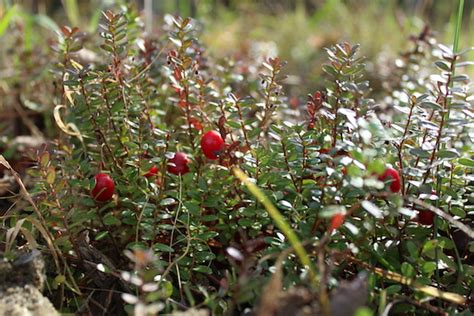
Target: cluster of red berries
212 145
392 177
424 217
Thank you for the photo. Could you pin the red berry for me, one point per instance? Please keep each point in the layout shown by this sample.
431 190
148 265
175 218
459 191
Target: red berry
425 217
336 221
151 172
212 144
178 164
104 187
392 175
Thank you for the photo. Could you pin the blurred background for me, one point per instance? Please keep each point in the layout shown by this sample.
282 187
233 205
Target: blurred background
295 30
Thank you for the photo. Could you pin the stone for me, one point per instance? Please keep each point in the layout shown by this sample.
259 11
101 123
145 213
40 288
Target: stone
21 283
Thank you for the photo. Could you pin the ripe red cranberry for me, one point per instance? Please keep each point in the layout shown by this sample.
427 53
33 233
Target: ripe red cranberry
178 164
212 144
392 175
344 171
104 187
425 217
151 172
336 221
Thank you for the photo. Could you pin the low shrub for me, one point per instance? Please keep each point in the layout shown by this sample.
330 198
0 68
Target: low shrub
138 201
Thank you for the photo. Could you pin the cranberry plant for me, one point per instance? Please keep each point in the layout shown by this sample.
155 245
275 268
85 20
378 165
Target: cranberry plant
144 210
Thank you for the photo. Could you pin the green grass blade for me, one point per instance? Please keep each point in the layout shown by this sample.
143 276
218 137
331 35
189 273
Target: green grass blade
5 20
72 11
279 221
457 32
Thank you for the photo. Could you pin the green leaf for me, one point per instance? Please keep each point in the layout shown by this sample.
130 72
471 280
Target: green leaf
107 48
429 246
428 267
407 270
418 152
193 207
457 211
204 256
203 269
466 162
51 175
393 289
137 245
330 70
376 166
245 222
110 219
162 248
166 289
412 249
209 218
431 105
207 235
448 153
442 65
44 160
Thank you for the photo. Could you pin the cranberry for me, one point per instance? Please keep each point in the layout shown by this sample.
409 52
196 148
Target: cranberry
392 175
212 144
425 217
151 172
104 187
178 164
336 221
344 171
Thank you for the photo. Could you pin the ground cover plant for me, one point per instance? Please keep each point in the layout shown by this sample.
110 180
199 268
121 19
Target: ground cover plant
180 181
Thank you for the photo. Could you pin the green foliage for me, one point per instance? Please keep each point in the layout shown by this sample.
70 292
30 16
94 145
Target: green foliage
203 239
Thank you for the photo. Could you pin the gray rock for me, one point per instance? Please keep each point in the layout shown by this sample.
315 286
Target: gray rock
21 283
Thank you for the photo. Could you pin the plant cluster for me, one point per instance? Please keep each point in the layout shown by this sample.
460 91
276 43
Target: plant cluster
139 203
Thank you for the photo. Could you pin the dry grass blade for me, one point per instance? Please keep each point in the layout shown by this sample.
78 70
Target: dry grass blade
11 235
29 237
269 303
427 289
69 128
40 225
